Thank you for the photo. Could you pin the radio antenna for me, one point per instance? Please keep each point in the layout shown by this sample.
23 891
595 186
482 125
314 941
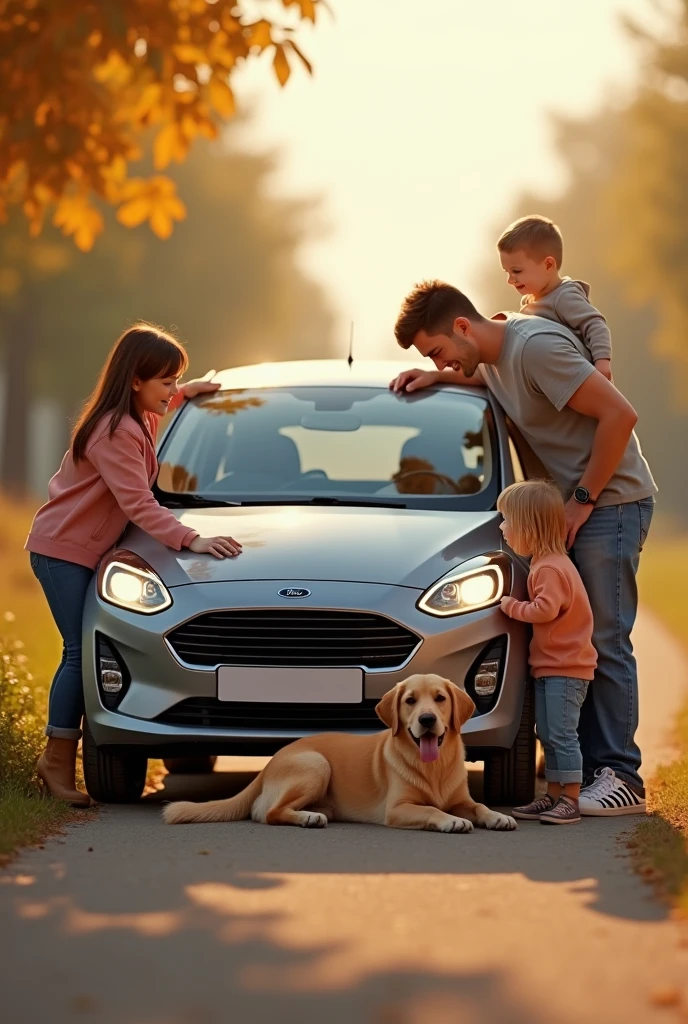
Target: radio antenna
350 360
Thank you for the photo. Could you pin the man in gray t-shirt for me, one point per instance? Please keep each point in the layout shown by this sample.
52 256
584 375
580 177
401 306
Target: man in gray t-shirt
540 368
581 428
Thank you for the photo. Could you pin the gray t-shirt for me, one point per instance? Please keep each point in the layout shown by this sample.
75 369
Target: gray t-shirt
570 305
541 366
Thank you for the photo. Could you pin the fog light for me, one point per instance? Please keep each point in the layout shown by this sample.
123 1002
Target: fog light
485 682
110 676
111 671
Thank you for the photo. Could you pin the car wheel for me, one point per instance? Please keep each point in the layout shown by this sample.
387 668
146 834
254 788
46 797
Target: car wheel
112 778
509 777
190 765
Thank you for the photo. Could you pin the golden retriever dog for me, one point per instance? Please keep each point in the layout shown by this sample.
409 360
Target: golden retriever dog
412 775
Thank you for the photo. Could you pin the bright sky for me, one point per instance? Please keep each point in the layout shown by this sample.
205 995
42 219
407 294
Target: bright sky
424 119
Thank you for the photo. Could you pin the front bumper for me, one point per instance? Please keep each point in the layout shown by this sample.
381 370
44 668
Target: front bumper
159 680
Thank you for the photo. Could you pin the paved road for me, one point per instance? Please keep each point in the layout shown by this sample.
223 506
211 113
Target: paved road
126 921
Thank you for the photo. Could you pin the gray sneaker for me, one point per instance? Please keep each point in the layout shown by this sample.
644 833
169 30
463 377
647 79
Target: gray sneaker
532 811
564 812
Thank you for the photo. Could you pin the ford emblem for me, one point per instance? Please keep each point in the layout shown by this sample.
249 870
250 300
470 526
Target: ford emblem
294 592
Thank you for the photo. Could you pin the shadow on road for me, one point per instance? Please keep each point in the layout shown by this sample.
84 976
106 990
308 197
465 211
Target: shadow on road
542 854
135 922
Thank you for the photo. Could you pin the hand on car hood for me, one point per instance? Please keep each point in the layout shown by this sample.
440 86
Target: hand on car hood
402 547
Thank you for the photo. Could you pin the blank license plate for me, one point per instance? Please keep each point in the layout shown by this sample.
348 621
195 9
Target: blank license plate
290 685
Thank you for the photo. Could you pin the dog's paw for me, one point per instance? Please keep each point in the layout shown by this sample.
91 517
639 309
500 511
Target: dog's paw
313 819
456 825
500 822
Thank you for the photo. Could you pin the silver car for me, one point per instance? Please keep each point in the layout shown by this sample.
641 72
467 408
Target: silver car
371 551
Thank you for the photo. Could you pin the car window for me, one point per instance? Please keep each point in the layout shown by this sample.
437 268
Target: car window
433 448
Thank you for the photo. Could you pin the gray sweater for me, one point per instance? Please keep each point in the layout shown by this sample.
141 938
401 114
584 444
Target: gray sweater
569 304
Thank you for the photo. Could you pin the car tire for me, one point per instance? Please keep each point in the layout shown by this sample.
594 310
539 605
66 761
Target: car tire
509 776
112 777
190 765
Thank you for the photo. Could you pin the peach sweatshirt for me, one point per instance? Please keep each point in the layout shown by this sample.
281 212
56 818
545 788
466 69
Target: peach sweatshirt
90 502
560 612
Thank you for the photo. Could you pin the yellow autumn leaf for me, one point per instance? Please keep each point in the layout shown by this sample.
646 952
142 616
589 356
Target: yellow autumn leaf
133 213
189 54
114 71
220 53
170 144
34 212
76 217
306 8
156 201
148 100
116 171
221 97
281 64
207 129
259 34
77 122
302 57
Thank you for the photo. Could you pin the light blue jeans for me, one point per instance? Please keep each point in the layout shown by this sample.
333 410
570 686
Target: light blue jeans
607 554
558 701
65 585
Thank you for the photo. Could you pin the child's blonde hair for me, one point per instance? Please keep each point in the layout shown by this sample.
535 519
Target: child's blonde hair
535 511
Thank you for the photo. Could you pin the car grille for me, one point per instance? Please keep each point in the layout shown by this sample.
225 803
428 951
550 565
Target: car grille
293 638
210 713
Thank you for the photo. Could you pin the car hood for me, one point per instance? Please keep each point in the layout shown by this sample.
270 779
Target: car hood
405 547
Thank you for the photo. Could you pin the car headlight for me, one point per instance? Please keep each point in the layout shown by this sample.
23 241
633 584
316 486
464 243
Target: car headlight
128 582
468 587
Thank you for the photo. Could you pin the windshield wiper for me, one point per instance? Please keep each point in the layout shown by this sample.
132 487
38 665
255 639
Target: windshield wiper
195 501
325 501
184 500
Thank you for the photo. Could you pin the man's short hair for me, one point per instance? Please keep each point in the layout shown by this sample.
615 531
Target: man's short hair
536 236
432 306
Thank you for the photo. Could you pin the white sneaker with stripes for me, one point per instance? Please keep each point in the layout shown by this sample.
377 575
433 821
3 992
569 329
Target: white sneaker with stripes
608 796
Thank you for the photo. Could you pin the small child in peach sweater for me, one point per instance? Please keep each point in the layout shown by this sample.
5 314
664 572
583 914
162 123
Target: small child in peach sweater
562 657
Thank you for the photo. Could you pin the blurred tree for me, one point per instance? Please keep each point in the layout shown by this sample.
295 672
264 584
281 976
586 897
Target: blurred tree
229 281
82 81
593 155
647 205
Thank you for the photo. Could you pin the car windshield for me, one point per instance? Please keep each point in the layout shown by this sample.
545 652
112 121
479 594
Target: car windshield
332 445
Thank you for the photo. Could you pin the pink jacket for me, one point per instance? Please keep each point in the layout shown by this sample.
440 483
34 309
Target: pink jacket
90 502
559 609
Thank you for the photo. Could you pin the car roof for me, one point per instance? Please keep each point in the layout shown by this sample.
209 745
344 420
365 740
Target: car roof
317 372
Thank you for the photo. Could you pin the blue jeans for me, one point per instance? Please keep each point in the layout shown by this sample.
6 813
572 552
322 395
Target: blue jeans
558 701
607 554
65 585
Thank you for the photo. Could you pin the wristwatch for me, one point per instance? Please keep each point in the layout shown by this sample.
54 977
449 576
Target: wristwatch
582 496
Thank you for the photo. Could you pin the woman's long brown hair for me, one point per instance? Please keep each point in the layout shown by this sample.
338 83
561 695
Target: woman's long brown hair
144 351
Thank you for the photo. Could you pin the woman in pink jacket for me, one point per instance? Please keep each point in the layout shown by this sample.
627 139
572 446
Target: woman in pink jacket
104 482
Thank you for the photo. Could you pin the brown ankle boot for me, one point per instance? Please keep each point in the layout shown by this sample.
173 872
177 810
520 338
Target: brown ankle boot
57 768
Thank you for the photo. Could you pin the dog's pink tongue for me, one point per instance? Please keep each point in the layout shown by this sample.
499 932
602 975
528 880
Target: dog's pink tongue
429 748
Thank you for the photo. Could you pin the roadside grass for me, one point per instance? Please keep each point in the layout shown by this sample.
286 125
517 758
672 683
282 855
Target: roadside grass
29 651
659 845
24 817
